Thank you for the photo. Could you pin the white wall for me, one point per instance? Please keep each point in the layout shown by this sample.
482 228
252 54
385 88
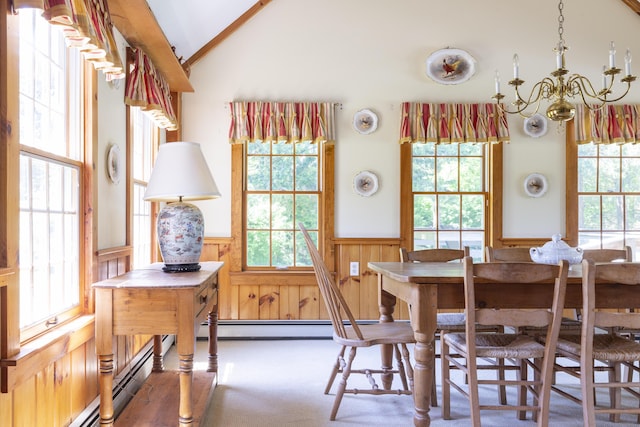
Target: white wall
371 54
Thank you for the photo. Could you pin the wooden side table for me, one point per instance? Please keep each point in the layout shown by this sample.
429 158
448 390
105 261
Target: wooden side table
150 301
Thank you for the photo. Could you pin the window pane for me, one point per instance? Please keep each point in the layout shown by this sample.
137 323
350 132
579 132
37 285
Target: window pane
282 249
306 173
281 176
473 212
423 174
609 175
424 240
258 172
424 212
282 211
448 212
449 240
258 248
447 170
307 211
589 213
630 175
612 211
632 214
587 175
258 206
471 174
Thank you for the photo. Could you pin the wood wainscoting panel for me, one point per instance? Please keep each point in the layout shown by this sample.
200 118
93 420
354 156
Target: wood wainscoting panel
295 296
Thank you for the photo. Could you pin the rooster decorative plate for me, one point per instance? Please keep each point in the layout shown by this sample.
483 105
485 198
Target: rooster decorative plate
450 66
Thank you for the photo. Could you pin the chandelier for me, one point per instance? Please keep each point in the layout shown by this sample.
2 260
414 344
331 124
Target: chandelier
557 89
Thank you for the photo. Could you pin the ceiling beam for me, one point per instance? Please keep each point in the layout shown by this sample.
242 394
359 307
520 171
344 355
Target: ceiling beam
225 33
633 4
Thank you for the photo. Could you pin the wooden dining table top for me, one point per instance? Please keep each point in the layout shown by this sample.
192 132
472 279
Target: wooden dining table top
449 277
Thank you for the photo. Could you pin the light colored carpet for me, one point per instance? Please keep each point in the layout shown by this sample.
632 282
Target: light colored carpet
280 383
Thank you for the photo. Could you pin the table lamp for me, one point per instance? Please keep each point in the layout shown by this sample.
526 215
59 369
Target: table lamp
180 174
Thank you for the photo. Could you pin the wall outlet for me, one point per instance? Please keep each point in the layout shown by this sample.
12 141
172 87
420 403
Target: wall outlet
354 268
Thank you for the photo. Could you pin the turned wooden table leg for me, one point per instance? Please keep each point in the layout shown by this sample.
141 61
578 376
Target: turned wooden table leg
212 321
423 321
386 303
158 364
105 371
185 412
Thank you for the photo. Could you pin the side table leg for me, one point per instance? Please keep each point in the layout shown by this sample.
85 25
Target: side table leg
158 364
186 380
386 305
105 372
212 321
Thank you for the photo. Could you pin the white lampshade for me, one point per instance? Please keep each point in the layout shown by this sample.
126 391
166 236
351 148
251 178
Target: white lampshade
180 173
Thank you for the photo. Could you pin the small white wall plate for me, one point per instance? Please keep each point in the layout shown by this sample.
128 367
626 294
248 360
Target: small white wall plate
365 121
365 183
535 185
535 126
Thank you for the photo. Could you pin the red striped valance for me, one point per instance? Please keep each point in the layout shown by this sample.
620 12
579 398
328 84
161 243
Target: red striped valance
148 89
87 26
453 123
289 122
611 124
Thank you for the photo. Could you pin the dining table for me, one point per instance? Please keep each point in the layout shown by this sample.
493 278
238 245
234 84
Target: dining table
430 287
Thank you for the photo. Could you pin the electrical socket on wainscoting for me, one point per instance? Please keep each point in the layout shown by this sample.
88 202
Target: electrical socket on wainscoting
354 268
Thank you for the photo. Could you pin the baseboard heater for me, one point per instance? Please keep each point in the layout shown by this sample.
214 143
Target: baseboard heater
273 329
125 384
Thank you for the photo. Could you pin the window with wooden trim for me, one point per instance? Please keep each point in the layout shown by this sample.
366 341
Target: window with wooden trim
144 138
51 169
608 194
449 196
283 188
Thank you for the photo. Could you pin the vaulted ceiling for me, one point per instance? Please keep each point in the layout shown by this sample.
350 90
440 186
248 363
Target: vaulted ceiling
194 27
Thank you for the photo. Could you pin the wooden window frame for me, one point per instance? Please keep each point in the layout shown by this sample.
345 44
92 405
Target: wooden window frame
21 360
493 220
326 226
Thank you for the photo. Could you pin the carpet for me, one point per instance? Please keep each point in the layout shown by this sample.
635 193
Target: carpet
280 383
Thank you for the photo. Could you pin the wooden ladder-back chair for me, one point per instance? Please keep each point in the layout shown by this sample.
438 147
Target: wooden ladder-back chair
611 349
445 322
508 254
519 351
349 334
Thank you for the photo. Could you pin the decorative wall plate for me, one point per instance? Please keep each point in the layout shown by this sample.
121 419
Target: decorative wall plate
365 183
535 185
536 125
450 66
365 121
113 163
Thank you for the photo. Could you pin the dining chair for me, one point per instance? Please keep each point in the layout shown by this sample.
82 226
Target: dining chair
445 322
519 351
600 349
508 254
351 335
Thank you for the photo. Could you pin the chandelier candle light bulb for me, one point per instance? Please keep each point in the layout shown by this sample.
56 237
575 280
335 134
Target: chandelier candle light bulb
562 85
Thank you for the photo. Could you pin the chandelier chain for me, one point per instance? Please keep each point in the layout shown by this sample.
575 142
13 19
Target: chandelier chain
561 23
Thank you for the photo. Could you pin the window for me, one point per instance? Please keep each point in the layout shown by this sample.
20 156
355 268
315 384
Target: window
282 189
144 136
51 144
608 195
448 184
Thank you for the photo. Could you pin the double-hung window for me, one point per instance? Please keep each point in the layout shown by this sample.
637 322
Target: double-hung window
445 174
51 170
144 138
603 185
285 152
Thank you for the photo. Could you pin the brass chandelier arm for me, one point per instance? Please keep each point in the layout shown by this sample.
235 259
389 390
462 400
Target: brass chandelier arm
557 89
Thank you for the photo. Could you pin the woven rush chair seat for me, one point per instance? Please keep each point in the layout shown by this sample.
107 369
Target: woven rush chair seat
610 347
350 336
510 346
